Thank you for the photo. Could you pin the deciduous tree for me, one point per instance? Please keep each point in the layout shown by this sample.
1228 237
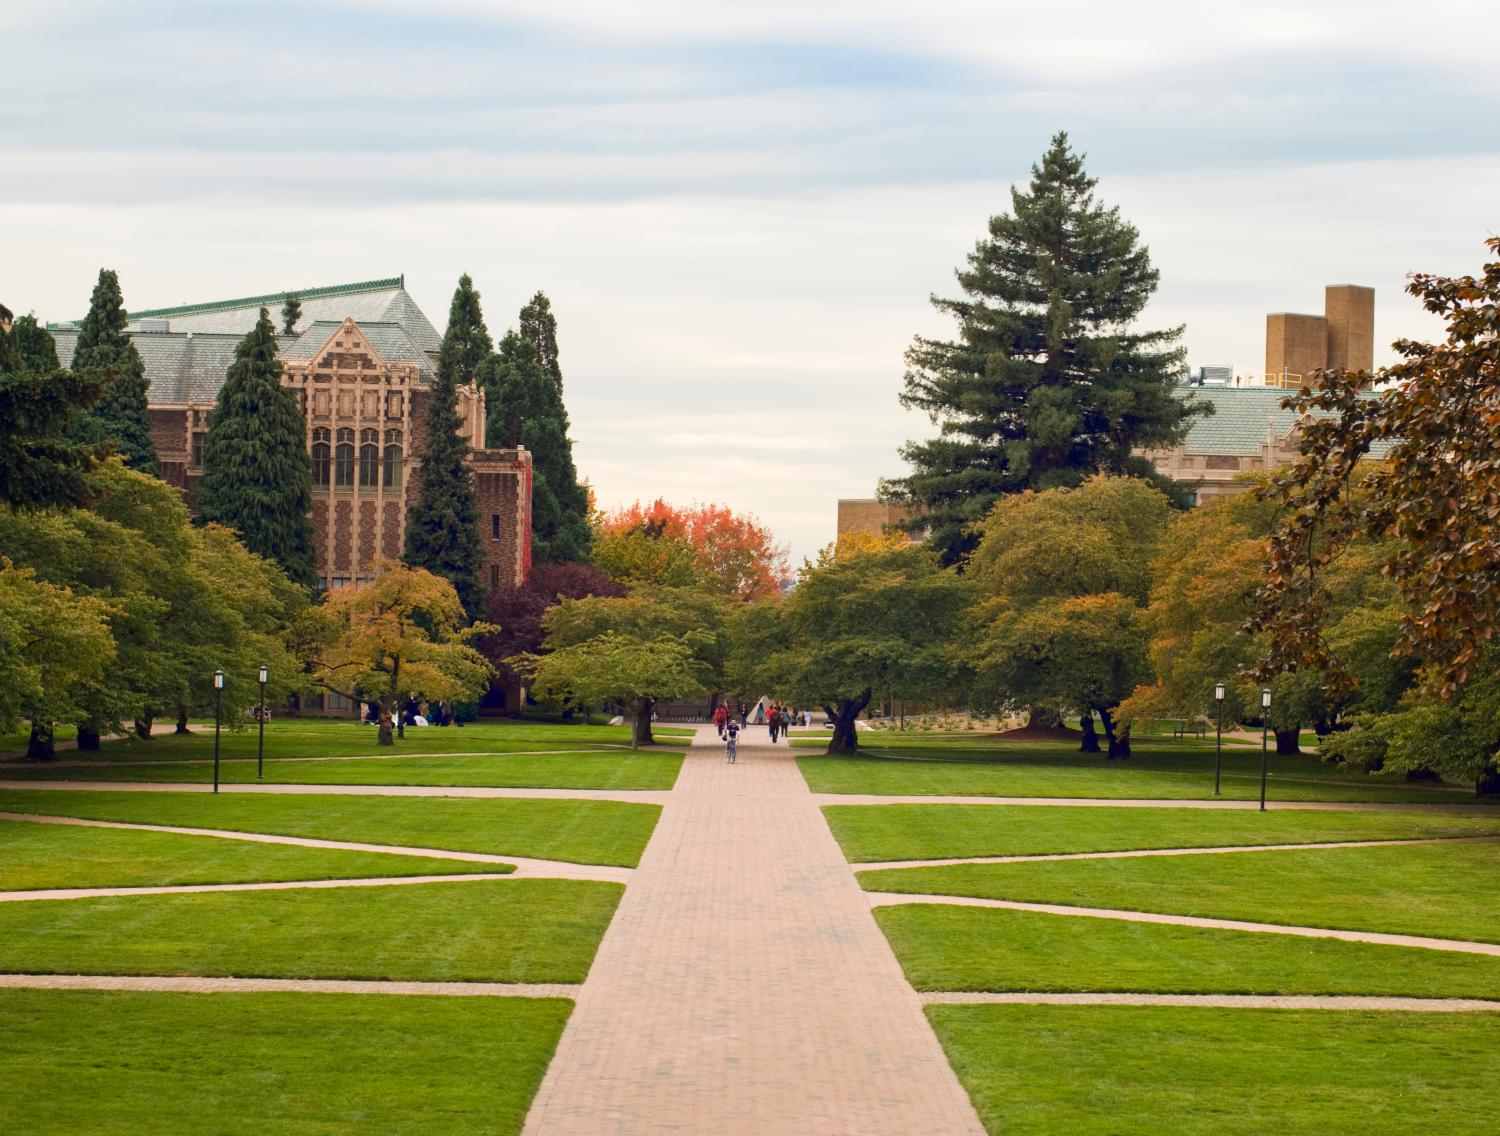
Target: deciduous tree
733 552
401 634
1049 380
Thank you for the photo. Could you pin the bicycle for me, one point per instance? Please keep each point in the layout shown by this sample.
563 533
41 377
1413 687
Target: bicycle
731 748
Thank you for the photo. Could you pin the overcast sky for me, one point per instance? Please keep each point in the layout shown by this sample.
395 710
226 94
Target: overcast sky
739 209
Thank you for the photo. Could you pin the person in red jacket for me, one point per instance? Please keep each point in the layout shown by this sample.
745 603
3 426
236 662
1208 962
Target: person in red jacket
773 719
721 716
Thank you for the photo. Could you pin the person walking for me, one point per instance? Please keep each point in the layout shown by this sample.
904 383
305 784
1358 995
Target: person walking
731 741
721 718
773 721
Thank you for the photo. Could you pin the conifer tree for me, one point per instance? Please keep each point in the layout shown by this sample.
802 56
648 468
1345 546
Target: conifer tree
257 478
442 533
1047 381
525 408
539 325
120 416
291 312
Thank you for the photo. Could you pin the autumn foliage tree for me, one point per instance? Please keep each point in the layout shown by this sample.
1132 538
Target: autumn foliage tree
404 633
731 552
1435 498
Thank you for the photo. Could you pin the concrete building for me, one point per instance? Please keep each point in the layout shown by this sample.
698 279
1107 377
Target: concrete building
362 359
1342 338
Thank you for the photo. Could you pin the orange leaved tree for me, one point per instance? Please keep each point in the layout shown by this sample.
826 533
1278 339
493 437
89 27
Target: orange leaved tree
731 552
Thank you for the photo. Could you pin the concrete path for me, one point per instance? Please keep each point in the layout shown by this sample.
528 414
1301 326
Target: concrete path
525 866
1477 809
743 987
1463 946
192 985
1133 853
265 885
629 796
1224 1001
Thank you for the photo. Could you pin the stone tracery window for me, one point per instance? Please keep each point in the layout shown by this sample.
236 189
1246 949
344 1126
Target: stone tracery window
369 457
343 458
321 452
393 459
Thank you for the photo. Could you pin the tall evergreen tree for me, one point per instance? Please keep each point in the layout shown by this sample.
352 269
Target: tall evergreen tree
291 312
442 533
525 408
41 467
1047 381
539 325
257 478
120 416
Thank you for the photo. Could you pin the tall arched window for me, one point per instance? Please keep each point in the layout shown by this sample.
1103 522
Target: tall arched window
393 459
321 453
369 457
343 458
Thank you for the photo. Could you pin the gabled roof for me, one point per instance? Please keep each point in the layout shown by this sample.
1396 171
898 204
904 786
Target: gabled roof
391 341
1242 418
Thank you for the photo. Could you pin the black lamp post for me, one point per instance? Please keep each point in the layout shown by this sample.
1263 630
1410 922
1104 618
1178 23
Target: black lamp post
218 716
1218 735
1265 721
260 749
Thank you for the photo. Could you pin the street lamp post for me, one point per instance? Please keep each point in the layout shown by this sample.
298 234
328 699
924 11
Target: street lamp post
1265 719
260 748
1218 735
218 717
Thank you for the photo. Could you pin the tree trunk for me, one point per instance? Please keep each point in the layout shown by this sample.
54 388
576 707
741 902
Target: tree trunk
640 730
88 739
182 726
143 728
1487 782
1090 742
39 746
1048 717
1119 740
385 737
845 738
1286 742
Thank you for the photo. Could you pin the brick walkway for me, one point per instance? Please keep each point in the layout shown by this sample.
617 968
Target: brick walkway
743 987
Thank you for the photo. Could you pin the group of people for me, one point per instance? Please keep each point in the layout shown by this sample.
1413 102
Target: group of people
414 712
778 718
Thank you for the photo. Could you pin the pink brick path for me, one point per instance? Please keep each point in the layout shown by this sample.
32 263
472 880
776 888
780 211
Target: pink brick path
743 987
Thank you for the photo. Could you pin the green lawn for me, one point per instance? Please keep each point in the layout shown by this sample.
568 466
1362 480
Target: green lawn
588 832
944 947
122 1064
64 856
927 832
1443 890
497 931
1165 1071
607 769
312 737
1159 769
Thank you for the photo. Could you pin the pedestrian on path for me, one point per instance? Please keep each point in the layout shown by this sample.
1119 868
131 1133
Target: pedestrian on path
773 721
731 741
721 717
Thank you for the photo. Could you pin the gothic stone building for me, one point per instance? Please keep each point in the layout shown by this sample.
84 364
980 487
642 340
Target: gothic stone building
362 359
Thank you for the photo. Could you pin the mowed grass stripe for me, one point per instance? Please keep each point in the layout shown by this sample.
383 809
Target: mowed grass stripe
482 931
120 1064
584 832
872 833
987 949
42 856
1434 890
1168 1071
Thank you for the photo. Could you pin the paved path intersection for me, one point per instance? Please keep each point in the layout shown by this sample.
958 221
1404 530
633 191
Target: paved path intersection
743 987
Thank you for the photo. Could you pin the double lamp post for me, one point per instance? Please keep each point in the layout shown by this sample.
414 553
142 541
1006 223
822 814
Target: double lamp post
1265 715
260 715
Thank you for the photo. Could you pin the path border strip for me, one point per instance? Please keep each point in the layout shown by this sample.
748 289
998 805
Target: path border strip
1378 1002
1463 946
262 885
823 800
525 866
1133 853
298 788
189 984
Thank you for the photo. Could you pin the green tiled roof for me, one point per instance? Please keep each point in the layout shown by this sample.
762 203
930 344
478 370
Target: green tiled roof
269 300
1241 420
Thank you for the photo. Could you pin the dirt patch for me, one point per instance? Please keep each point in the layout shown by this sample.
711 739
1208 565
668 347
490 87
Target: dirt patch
1038 734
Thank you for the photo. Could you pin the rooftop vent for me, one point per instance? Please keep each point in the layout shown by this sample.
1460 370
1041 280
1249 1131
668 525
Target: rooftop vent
153 326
